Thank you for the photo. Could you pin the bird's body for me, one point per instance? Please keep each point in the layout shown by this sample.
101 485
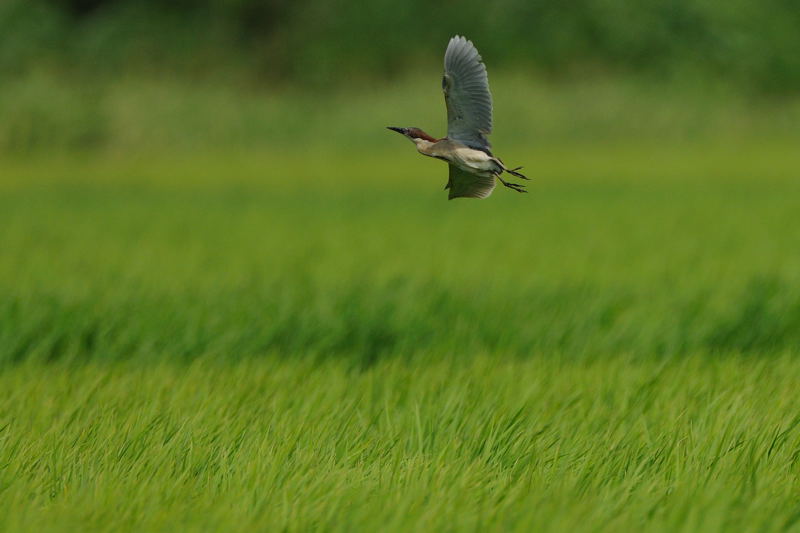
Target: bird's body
473 167
461 155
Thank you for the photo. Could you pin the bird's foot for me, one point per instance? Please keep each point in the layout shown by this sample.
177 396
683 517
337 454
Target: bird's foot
513 172
514 186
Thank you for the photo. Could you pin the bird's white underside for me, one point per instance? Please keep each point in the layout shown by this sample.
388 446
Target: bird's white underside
460 155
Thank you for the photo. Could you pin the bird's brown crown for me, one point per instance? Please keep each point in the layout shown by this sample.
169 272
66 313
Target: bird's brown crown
416 133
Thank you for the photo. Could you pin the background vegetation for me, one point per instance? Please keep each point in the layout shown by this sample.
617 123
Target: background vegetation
231 300
750 44
193 74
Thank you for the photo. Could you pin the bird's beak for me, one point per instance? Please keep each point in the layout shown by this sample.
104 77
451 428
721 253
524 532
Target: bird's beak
398 130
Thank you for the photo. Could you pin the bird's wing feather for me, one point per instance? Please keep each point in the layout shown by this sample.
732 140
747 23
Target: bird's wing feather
462 184
466 93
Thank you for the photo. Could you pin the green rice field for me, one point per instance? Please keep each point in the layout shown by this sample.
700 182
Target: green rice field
306 340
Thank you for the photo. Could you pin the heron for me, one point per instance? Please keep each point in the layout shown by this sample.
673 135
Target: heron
474 170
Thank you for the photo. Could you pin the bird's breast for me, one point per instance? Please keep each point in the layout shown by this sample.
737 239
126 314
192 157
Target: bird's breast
462 156
474 161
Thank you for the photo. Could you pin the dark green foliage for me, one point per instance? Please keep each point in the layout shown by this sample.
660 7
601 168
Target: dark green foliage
753 45
767 318
400 317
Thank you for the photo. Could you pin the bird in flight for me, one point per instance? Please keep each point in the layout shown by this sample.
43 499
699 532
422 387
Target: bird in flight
473 167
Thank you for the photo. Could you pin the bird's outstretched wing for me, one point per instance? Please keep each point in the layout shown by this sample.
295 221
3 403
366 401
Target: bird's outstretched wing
466 92
462 184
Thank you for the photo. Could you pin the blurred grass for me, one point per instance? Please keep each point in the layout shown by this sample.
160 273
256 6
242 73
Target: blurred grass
453 444
633 249
223 309
44 112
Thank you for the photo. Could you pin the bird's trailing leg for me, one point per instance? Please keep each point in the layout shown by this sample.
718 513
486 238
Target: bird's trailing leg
513 172
515 186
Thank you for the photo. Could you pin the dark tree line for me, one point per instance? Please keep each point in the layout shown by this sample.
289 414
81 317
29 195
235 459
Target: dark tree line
754 45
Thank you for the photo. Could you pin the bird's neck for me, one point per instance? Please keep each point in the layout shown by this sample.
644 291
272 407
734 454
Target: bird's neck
423 146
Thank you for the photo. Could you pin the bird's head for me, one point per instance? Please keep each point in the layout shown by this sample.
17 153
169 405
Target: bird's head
414 134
